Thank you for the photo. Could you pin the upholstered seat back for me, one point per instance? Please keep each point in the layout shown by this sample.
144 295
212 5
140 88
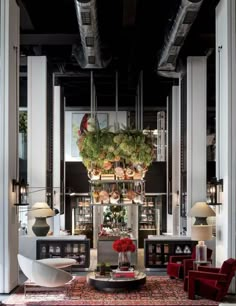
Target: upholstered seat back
228 267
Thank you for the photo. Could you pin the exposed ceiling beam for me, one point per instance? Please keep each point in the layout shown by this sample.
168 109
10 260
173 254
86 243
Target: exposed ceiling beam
25 20
48 39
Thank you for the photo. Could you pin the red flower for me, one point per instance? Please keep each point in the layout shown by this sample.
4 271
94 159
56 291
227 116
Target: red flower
124 245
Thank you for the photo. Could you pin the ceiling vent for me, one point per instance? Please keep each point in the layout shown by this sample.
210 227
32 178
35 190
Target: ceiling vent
89 37
185 17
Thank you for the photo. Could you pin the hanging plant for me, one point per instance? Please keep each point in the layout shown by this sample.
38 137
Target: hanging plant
101 148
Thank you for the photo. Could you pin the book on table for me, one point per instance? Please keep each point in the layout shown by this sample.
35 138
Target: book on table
123 274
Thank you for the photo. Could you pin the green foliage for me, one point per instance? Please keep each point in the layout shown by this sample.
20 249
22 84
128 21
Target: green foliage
23 122
128 146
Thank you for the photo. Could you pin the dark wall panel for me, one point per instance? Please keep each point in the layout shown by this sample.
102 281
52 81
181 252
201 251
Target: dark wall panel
76 177
156 178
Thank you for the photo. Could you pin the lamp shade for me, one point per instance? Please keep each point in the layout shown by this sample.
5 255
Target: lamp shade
41 210
201 232
201 209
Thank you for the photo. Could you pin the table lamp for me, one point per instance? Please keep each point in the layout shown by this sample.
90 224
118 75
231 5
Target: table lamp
201 233
201 230
201 211
41 211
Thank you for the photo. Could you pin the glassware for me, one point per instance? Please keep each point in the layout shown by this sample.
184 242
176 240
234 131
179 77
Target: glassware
123 261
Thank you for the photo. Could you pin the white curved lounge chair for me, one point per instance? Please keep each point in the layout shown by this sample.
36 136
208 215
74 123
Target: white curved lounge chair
42 274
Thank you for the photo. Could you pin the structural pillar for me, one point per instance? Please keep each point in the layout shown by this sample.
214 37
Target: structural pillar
196 132
9 105
56 155
176 159
37 130
225 127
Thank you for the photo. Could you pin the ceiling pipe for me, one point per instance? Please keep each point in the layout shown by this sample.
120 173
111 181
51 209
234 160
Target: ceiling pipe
174 41
89 53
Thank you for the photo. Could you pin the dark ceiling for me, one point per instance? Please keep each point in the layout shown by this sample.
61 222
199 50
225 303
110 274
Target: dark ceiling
131 31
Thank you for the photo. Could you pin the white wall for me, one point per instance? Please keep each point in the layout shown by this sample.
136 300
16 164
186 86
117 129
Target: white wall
225 127
9 104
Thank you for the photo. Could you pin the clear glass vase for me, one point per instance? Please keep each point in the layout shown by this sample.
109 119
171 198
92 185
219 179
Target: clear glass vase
123 261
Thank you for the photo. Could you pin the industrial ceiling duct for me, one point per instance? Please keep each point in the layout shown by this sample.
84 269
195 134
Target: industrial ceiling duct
185 17
89 53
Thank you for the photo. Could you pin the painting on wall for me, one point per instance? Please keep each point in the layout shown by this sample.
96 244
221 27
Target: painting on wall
79 125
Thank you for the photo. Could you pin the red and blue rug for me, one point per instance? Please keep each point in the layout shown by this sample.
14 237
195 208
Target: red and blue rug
158 290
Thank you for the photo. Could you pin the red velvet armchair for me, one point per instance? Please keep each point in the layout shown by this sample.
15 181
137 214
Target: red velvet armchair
211 283
179 265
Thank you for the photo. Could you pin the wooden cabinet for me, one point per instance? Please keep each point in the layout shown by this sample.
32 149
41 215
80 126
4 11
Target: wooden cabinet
157 252
76 249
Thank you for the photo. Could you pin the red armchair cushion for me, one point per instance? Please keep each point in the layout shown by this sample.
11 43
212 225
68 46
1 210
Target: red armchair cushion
228 267
179 265
212 285
173 269
207 288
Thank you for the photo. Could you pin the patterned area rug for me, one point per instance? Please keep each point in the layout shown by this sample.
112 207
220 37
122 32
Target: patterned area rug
157 291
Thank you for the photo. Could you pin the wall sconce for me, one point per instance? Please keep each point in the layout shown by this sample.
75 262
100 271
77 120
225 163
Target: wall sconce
21 189
214 187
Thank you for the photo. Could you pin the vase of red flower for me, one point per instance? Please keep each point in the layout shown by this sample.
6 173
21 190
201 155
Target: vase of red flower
123 247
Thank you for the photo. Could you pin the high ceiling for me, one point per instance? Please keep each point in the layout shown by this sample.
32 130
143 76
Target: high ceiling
132 35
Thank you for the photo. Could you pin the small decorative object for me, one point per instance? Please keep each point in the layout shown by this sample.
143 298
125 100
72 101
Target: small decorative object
104 196
123 246
119 172
129 173
96 196
102 269
131 194
115 196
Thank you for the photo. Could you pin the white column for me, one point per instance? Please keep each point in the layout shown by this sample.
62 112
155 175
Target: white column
225 127
56 154
196 132
9 104
37 129
176 159
169 217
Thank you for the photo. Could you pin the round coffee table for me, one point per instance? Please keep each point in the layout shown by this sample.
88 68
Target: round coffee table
112 284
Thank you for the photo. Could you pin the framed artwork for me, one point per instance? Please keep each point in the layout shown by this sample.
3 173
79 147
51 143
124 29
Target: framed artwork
77 124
